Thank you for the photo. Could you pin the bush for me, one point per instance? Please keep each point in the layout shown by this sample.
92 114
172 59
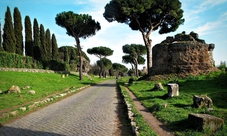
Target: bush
12 60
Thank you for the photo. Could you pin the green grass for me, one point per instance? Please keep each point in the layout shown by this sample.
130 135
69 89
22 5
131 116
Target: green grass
44 84
214 85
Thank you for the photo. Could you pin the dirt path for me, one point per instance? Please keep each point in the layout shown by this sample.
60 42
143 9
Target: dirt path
154 123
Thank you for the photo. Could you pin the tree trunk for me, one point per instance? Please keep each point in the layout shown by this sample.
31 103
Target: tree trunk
136 68
148 45
80 58
100 72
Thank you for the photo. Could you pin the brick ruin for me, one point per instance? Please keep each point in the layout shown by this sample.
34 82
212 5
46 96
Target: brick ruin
183 54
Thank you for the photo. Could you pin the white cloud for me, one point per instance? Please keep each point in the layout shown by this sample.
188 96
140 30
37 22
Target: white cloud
206 4
212 3
214 27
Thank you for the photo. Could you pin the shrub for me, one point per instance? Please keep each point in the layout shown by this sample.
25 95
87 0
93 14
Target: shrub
12 60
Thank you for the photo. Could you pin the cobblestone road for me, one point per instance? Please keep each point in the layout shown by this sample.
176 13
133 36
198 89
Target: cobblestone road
91 112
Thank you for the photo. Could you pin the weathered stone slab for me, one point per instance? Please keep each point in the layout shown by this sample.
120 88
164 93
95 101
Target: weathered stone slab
202 101
205 122
31 92
173 89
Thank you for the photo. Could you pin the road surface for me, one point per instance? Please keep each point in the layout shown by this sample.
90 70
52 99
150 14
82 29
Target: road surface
91 112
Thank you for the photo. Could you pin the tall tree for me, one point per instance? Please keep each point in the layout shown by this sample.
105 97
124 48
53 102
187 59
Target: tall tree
78 26
36 40
43 43
119 69
146 16
1 48
54 48
28 37
48 45
18 31
128 59
106 64
9 40
100 52
135 52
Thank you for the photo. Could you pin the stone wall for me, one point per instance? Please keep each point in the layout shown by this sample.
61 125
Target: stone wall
183 55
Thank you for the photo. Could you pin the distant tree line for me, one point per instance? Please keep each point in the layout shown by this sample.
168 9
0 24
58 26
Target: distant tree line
38 43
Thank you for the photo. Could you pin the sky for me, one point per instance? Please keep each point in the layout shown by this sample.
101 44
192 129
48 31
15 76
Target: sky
208 18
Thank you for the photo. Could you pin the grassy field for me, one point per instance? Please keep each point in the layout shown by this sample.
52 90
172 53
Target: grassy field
44 84
175 115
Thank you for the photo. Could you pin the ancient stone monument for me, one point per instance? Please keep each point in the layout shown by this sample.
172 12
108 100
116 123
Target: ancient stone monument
182 54
173 89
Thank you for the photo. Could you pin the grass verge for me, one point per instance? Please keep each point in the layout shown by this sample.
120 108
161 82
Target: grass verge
214 85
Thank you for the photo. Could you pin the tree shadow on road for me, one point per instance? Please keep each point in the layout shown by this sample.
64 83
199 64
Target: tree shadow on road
5 130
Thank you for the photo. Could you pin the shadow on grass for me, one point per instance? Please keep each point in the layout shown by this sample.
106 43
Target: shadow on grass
163 97
182 126
183 105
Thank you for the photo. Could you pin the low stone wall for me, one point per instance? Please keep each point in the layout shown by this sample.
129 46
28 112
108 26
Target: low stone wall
130 115
31 70
35 105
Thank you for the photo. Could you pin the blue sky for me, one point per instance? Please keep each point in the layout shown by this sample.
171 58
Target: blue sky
208 18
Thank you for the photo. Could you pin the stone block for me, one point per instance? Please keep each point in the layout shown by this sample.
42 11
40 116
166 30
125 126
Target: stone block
173 89
205 122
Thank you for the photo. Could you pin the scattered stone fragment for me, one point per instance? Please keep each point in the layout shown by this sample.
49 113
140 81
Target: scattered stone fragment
34 105
31 92
23 108
63 94
26 87
202 101
14 89
14 113
165 105
158 86
5 115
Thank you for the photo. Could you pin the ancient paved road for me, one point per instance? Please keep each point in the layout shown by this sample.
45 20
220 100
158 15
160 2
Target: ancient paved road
91 112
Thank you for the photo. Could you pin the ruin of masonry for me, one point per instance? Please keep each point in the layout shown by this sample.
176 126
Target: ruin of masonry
184 54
